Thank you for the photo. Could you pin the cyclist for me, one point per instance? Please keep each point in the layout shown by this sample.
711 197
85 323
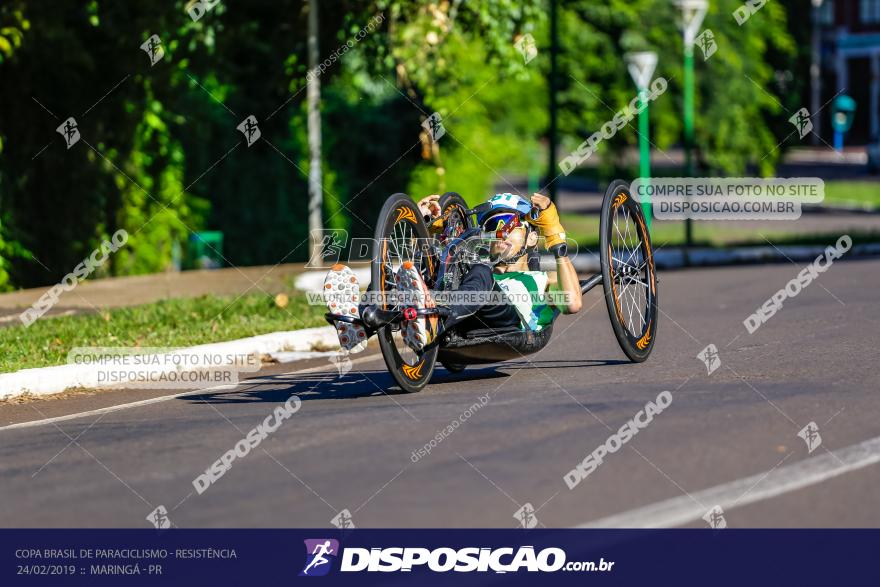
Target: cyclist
514 224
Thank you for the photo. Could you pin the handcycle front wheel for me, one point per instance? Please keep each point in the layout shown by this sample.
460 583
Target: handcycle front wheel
400 236
628 274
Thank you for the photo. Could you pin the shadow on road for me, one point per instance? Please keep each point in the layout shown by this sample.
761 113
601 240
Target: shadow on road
311 386
354 384
563 364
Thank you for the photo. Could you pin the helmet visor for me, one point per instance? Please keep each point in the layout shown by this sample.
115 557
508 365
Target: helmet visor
501 224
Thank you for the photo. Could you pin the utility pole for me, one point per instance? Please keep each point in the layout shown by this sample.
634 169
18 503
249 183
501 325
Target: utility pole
815 75
313 84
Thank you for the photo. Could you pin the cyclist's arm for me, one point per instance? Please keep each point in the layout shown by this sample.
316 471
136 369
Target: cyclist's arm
549 226
567 282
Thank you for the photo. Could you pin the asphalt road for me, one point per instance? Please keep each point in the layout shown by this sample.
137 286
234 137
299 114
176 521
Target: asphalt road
728 439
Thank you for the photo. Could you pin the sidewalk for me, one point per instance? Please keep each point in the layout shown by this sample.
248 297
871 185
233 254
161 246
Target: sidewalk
851 162
142 289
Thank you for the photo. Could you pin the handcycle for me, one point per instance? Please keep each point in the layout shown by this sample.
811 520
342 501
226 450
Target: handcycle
627 277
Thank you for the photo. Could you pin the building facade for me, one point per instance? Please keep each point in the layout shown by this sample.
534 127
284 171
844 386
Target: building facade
850 63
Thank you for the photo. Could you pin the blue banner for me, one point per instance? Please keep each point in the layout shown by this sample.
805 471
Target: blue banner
436 557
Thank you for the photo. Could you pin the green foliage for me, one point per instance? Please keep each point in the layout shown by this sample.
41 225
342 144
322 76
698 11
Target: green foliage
169 323
374 156
127 169
460 60
13 26
160 155
12 29
736 97
493 120
5 253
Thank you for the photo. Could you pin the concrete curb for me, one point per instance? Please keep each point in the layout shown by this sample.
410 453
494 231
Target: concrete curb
841 208
281 346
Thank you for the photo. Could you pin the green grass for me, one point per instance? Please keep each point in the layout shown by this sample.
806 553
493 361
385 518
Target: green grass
585 230
169 323
853 192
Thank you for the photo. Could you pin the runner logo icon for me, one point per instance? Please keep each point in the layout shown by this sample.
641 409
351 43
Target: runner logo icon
320 554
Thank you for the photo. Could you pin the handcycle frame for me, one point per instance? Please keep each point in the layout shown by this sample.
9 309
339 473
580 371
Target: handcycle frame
455 349
384 317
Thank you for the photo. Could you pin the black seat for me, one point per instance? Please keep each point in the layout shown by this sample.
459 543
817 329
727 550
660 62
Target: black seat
490 332
491 345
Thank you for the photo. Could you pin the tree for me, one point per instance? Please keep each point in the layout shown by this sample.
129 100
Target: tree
736 92
160 155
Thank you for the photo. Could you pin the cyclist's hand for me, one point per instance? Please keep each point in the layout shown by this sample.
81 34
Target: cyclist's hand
540 201
547 220
429 206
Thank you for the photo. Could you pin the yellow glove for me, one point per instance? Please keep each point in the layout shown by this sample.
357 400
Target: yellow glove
547 222
436 226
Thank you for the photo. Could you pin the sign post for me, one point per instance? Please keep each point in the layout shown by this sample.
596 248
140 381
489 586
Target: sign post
693 12
641 67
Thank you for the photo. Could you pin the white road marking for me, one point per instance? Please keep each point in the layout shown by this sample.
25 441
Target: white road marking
165 398
682 510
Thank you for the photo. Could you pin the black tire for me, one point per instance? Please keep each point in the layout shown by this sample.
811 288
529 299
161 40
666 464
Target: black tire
453 367
399 222
628 275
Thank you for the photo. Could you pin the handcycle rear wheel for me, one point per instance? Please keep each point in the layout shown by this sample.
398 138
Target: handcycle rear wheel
401 235
454 209
628 275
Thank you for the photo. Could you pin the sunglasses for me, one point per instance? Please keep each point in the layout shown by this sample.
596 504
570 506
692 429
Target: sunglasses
502 224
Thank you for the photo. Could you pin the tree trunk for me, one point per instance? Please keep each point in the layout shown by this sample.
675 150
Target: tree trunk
314 97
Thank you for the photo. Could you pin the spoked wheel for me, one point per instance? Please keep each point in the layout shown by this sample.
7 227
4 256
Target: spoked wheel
453 207
628 275
401 235
456 221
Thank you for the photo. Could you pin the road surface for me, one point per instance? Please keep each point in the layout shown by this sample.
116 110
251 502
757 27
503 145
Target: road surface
729 438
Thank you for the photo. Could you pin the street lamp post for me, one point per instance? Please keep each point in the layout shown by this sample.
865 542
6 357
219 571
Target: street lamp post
692 12
641 67
815 77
